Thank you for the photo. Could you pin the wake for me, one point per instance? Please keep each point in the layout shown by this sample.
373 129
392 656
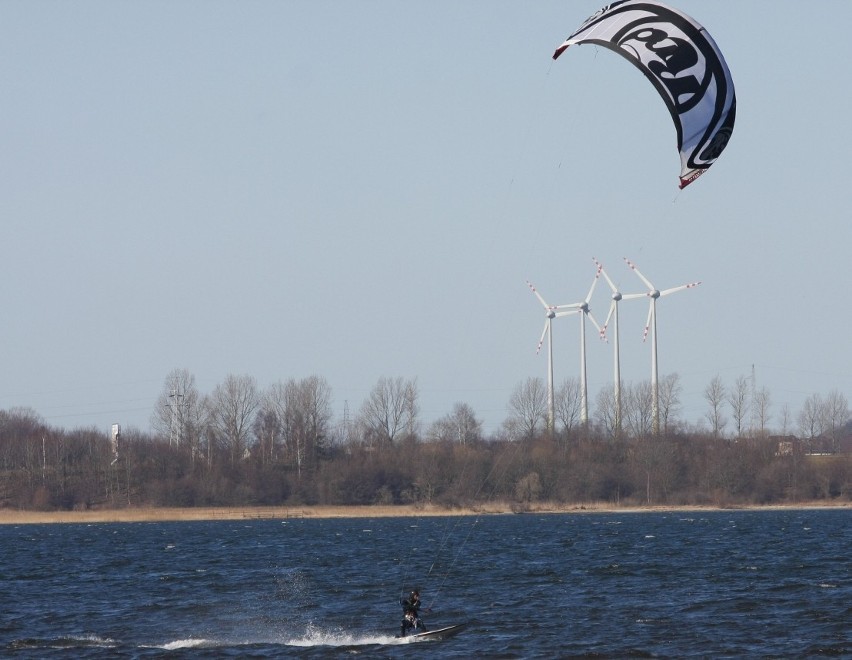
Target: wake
311 637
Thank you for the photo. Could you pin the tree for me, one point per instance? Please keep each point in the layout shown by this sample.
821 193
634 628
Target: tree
390 411
567 404
315 401
605 413
656 461
267 430
811 417
785 419
277 412
669 389
459 426
528 488
835 413
639 409
295 416
232 408
762 403
714 394
528 407
22 446
738 399
178 414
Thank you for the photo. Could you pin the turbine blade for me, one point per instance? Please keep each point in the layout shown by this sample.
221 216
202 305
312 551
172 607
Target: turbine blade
648 321
606 277
595 323
572 306
543 335
633 296
641 276
608 317
679 288
538 295
592 288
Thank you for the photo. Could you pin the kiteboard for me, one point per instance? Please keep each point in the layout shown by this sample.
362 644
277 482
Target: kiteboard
439 633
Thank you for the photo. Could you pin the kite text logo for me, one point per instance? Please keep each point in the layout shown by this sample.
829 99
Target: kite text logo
668 57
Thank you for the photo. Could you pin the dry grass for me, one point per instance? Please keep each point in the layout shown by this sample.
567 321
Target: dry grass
152 514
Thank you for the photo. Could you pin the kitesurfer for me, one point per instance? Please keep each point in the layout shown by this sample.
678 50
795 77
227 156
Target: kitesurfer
411 613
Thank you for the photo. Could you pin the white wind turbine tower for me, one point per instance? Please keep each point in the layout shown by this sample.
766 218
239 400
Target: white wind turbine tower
583 309
550 314
651 323
617 297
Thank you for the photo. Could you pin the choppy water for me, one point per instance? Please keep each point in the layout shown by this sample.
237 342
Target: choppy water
727 584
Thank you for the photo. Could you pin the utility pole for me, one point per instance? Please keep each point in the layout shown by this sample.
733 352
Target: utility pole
176 417
753 399
346 423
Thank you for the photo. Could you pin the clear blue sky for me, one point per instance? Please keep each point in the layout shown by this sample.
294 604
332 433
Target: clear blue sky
361 189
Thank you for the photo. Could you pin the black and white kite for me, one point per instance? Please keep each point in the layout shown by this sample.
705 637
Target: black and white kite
683 62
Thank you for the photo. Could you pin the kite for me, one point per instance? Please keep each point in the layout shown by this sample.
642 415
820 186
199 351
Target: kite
685 66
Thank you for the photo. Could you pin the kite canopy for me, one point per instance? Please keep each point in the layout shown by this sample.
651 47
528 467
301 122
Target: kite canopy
683 62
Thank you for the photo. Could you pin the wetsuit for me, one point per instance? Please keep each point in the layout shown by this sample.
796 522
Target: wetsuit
410 614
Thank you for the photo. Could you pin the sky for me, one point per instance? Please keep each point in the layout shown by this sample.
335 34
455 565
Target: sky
358 190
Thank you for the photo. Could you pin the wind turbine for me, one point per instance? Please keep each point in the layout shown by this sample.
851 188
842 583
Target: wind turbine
550 314
617 297
651 323
582 308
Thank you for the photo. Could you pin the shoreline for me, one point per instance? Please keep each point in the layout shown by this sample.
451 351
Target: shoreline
173 514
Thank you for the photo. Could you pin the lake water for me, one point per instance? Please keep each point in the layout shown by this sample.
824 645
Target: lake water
708 584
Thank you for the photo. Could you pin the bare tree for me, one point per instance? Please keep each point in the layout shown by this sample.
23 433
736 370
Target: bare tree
738 399
638 409
22 433
232 408
785 419
315 399
459 426
528 407
835 414
669 389
176 411
279 404
714 394
528 488
811 417
267 430
605 413
762 403
653 457
209 434
390 411
296 416
567 404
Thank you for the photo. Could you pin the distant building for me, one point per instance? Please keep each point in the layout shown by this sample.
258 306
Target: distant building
785 448
785 444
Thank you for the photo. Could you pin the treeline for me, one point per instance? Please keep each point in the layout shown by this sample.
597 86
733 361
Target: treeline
46 469
239 446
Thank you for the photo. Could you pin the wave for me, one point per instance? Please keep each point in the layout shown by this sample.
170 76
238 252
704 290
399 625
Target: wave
190 643
87 641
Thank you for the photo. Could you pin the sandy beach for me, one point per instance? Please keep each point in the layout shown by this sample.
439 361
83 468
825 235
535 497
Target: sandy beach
152 514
